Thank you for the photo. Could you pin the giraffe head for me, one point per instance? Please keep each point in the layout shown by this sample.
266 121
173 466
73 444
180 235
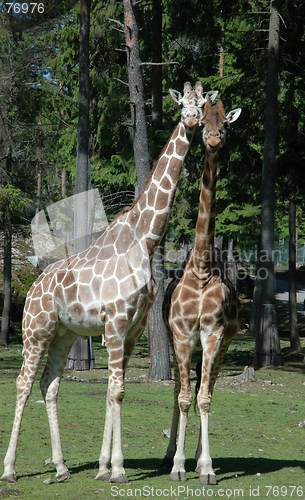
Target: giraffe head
192 103
214 123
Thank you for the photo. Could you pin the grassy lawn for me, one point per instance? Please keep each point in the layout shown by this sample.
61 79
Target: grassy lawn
256 446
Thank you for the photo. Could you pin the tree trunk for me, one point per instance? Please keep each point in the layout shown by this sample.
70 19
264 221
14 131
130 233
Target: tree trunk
7 278
39 182
159 350
38 203
7 268
294 165
255 299
64 182
231 267
136 91
293 319
159 368
221 51
158 343
267 346
157 70
81 236
81 356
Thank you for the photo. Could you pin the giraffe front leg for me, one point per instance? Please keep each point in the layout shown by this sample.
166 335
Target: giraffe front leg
115 395
220 342
50 396
49 385
104 473
178 472
24 384
117 458
10 457
204 462
183 352
172 446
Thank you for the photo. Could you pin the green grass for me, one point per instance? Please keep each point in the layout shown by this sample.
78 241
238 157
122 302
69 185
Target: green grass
254 440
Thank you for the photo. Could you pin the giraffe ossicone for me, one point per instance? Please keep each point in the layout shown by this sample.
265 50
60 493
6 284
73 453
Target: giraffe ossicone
106 289
201 308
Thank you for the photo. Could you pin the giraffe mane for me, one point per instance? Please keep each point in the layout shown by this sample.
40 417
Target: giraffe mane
148 178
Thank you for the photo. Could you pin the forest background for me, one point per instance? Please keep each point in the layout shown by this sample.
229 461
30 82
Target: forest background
223 44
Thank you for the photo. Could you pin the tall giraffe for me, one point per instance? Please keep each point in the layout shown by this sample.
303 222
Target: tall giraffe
201 308
106 289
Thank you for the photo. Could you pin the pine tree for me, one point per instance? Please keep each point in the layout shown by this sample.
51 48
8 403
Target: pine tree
18 127
267 346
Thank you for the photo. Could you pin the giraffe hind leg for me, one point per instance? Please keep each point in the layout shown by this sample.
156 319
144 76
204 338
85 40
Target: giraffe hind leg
32 358
178 472
209 373
171 449
213 344
115 394
49 385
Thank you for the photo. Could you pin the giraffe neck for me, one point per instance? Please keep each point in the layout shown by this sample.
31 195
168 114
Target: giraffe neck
150 213
203 250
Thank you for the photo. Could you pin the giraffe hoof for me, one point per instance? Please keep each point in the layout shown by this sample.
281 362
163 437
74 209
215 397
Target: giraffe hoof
206 479
63 477
121 478
103 476
178 476
10 478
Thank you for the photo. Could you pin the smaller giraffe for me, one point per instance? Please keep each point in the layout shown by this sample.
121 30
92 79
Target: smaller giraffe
201 308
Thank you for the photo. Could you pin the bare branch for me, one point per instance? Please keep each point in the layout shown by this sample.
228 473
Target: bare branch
121 81
158 64
117 29
117 22
282 20
258 13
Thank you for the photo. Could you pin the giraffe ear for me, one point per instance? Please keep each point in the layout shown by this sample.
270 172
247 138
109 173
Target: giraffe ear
233 115
176 95
209 96
212 94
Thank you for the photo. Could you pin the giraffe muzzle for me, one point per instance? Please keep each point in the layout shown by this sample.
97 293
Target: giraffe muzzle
191 123
213 142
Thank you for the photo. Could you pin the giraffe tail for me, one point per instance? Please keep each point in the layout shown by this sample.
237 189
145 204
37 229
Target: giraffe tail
198 374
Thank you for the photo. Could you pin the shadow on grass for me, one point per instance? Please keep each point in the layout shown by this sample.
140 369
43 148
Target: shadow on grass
10 362
250 466
151 468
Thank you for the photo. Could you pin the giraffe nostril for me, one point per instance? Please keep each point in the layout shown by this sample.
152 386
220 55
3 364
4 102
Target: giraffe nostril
192 113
